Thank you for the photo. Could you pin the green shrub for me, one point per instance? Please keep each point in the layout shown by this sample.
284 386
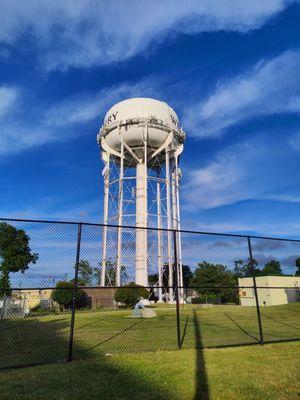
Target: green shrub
130 294
63 294
36 308
206 298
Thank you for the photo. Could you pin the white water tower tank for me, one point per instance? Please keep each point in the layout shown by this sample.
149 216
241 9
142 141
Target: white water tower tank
127 115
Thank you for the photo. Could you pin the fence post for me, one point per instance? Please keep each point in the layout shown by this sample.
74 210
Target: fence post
176 291
261 337
71 338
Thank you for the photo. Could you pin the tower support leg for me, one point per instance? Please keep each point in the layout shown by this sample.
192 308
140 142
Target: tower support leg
169 226
159 241
104 247
120 216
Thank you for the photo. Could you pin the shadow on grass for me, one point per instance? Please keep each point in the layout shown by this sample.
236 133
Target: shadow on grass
241 328
202 389
184 331
115 335
293 309
280 322
33 341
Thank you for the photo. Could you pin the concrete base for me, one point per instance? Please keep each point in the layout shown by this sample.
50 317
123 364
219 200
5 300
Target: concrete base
143 313
146 302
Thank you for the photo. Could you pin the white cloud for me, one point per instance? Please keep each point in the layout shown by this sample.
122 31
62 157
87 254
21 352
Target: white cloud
245 223
61 121
270 87
261 168
91 32
84 108
8 99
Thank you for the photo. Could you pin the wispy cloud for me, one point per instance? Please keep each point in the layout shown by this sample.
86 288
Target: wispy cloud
244 171
62 120
59 208
89 32
238 223
8 99
85 108
270 87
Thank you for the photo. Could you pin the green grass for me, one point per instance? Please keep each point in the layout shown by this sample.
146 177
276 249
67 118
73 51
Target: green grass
119 357
266 372
45 338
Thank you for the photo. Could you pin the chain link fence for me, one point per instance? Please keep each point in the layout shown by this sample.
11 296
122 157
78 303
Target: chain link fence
234 290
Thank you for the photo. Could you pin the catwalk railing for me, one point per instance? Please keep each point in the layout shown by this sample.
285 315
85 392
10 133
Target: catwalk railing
235 290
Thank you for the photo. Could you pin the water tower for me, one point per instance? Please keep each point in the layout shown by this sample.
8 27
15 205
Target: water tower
141 141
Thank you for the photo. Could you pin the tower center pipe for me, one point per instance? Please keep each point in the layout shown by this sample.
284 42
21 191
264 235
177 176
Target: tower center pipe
141 252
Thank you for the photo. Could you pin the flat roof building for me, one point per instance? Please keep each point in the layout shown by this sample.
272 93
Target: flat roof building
275 290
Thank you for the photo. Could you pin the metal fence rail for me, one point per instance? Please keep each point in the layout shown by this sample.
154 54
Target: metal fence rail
230 295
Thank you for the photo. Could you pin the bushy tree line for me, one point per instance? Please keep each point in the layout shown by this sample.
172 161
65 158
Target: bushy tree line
91 276
212 280
243 269
186 274
16 256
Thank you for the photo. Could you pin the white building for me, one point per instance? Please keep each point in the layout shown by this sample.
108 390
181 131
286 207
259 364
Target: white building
274 290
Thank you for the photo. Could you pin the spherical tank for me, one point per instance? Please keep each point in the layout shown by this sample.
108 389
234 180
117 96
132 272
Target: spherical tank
129 118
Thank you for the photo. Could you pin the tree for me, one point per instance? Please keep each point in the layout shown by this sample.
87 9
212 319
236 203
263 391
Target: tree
130 294
272 267
239 268
242 269
85 272
91 276
153 279
297 262
63 294
15 254
110 274
186 276
252 268
5 287
209 278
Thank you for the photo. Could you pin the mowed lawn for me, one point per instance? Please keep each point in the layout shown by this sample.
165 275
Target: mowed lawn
266 372
42 339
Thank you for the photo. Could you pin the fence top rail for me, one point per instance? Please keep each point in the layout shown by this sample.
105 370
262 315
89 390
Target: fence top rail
245 236
235 287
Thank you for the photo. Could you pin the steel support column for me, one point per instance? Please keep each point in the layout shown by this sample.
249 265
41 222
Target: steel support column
141 252
120 215
159 238
106 198
169 226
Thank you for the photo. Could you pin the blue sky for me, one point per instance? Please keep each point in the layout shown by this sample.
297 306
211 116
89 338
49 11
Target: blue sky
231 73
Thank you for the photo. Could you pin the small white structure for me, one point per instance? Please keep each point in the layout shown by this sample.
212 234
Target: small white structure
13 308
141 141
286 290
141 311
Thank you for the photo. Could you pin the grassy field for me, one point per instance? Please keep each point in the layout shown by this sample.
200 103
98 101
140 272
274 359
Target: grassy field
269 372
42 339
